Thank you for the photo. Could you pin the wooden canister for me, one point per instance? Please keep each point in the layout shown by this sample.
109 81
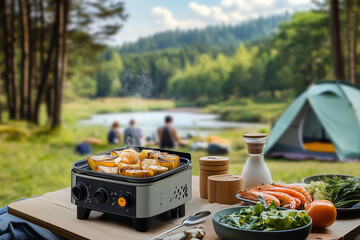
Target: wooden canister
211 165
223 188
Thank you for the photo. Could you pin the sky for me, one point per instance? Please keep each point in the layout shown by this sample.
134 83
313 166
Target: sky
147 17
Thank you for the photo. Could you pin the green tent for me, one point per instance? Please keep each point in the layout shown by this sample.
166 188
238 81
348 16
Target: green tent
322 123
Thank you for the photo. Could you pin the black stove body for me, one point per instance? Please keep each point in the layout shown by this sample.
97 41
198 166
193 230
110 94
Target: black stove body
137 198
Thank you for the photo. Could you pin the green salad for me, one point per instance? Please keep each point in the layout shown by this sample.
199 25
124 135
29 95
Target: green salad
344 193
266 218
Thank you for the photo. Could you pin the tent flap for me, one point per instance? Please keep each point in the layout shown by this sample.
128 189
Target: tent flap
340 123
285 120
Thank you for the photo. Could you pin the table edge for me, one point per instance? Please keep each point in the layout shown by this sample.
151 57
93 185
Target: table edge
50 227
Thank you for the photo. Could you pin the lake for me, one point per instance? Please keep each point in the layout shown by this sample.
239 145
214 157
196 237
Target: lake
187 122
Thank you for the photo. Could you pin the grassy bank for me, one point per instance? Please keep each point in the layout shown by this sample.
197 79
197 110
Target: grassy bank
34 161
249 110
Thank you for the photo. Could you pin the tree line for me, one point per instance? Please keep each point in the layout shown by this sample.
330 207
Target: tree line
154 60
224 35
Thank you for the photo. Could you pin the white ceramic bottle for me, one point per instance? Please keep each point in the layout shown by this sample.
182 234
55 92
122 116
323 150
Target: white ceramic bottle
255 170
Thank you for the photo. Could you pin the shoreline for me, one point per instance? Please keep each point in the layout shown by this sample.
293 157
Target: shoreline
184 109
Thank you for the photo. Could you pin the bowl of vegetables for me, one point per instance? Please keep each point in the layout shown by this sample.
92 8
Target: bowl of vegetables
261 222
342 190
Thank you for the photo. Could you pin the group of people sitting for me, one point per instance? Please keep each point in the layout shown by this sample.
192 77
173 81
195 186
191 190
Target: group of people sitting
133 135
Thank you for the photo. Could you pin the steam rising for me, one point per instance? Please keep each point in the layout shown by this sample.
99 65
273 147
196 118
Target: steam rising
137 84
140 87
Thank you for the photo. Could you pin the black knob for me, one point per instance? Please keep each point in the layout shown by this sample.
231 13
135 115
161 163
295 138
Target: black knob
123 200
79 192
101 196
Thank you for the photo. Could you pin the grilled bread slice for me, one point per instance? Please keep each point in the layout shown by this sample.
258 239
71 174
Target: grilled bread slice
139 173
156 169
112 170
101 160
144 154
132 156
149 161
170 161
153 154
123 166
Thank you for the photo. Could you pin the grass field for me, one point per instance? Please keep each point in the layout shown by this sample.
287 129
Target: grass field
34 161
249 110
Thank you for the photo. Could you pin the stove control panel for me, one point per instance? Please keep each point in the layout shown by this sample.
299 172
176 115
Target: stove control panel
105 196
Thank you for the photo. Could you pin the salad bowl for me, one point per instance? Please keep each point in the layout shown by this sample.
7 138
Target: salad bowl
227 232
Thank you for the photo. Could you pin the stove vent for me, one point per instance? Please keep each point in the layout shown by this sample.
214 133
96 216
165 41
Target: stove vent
179 192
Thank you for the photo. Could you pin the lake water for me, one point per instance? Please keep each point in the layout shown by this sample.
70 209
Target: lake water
191 122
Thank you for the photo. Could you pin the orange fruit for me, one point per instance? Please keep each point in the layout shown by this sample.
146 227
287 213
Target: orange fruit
322 213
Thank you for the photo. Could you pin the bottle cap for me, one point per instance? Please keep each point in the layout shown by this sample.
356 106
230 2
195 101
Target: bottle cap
255 142
255 135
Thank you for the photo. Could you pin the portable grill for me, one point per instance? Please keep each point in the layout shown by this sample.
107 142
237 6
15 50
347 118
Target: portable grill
137 198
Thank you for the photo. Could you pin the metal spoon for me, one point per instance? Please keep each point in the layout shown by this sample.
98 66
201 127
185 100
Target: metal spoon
193 219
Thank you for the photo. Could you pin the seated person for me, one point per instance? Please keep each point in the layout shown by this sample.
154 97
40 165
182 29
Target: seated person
114 135
133 135
167 135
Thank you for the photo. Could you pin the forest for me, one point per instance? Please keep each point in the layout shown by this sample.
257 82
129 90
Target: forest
274 60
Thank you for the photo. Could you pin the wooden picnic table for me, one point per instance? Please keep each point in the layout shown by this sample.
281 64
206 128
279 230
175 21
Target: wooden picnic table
55 212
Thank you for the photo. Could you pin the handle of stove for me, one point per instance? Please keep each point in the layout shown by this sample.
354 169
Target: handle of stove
163 233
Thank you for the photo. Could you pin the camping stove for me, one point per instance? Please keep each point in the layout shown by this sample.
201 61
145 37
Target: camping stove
137 198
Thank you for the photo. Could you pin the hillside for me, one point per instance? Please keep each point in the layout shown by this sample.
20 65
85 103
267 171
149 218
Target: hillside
224 35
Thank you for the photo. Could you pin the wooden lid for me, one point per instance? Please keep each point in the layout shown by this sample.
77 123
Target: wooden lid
214 160
254 135
225 178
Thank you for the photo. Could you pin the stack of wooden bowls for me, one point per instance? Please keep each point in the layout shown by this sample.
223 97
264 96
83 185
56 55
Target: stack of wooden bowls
211 165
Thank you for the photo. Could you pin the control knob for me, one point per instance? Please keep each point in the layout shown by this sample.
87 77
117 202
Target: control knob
123 200
79 192
101 195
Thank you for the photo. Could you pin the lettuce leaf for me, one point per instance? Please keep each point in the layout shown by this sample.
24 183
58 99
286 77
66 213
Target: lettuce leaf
317 190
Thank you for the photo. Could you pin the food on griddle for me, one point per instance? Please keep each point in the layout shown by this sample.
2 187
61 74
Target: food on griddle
149 161
123 167
154 154
101 160
129 156
113 170
145 154
129 162
139 173
168 164
169 160
156 169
